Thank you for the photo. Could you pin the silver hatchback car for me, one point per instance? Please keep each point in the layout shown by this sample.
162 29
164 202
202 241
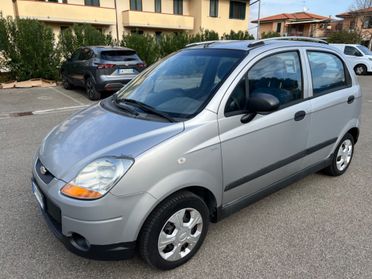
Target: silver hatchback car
192 139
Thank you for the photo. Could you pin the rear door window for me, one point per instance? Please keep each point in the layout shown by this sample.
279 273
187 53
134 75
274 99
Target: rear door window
328 72
119 55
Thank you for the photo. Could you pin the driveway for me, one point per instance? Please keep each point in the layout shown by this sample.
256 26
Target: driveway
319 227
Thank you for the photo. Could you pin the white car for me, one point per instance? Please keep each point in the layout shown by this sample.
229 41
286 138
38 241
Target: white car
359 57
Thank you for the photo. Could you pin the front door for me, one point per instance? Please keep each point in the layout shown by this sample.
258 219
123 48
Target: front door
270 147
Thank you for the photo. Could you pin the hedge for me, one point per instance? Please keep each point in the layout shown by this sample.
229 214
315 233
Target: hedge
29 49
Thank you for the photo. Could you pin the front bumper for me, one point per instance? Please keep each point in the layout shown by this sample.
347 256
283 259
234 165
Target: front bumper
76 242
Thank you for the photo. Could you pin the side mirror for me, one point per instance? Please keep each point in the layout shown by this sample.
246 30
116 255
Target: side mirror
263 103
260 103
358 54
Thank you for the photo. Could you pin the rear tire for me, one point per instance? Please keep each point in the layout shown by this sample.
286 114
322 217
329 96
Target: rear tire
341 157
360 69
174 231
91 90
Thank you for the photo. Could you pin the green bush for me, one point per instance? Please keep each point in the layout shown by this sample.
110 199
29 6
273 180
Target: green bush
80 35
240 35
144 44
28 49
169 43
344 37
270 34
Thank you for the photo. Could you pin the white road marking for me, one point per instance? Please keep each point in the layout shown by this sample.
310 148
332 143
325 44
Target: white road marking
67 96
46 111
40 112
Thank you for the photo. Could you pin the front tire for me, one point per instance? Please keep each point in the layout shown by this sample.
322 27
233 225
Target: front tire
342 156
174 231
66 84
360 70
91 90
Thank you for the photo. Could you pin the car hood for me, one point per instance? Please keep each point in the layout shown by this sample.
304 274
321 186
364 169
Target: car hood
94 133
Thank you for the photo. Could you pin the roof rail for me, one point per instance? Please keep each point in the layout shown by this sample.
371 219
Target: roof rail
207 43
289 38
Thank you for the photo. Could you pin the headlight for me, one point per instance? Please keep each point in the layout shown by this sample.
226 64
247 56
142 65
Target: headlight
370 58
97 178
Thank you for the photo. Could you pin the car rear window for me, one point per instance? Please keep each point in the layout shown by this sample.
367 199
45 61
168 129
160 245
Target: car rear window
119 55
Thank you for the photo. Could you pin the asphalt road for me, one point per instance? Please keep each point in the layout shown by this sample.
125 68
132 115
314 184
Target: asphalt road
320 227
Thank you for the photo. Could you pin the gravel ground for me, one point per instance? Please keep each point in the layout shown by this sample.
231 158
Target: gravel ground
319 227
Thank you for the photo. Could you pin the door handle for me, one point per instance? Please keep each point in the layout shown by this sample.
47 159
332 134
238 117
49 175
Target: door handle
299 115
350 99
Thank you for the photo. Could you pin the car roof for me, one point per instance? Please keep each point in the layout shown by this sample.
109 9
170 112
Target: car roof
250 44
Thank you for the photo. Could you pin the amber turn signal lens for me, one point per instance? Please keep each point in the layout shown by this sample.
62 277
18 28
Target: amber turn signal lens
77 192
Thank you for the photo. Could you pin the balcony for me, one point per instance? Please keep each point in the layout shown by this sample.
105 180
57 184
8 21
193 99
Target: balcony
57 12
157 20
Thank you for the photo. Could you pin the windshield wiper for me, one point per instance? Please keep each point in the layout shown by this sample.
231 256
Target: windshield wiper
147 108
123 107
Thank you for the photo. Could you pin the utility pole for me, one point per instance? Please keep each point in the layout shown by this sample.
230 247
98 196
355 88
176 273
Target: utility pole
117 23
258 20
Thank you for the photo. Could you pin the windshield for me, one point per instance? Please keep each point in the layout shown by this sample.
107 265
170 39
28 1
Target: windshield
364 49
181 85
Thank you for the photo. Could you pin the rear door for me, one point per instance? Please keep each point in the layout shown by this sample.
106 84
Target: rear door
332 104
82 64
270 147
71 68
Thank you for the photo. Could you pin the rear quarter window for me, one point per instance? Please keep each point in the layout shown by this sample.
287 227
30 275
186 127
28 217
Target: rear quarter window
328 72
119 55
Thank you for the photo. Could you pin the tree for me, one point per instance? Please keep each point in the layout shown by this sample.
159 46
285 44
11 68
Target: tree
80 35
344 37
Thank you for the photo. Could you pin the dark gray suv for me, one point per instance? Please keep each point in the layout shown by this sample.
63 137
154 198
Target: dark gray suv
100 68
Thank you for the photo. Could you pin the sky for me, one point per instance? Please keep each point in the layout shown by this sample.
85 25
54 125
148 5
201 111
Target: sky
321 7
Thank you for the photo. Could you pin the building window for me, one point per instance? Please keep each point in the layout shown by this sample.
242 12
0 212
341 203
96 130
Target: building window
237 9
135 5
157 6
136 31
178 7
213 8
352 24
278 27
367 24
91 3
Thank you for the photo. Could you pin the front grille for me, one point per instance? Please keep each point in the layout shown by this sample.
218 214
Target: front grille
47 177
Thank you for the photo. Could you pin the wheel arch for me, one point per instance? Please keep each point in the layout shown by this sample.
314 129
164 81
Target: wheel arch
355 133
204 193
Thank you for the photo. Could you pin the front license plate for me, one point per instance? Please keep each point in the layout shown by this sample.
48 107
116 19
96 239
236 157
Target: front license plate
39 196
126 71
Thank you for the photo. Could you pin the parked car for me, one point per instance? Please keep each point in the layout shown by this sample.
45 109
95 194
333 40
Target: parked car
192 139
360 57
101 68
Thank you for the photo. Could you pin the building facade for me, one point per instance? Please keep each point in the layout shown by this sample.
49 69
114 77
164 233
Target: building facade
359 21
297 24
149 16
